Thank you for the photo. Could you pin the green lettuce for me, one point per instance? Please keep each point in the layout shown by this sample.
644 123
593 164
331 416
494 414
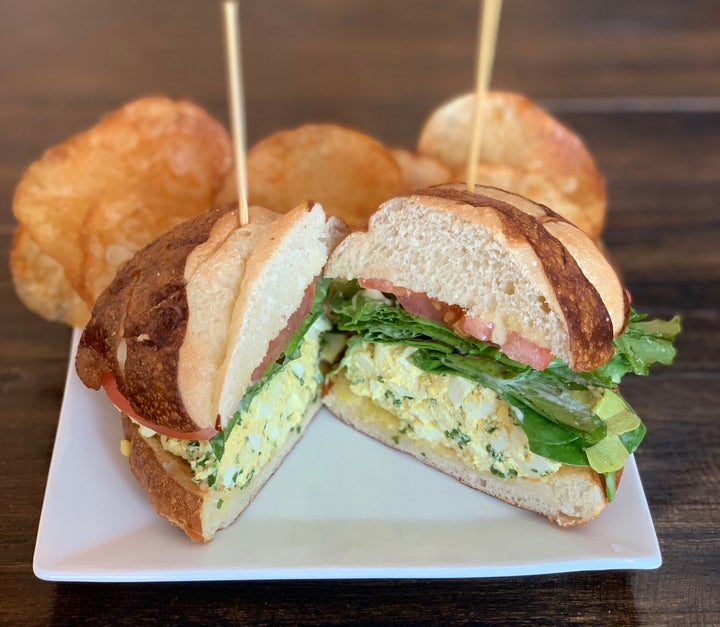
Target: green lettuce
557 405
292 351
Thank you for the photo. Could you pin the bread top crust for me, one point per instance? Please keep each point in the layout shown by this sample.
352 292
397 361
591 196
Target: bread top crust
450 232
138 325
586 316
168 325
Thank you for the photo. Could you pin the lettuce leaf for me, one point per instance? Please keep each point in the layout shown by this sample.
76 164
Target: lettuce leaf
292 351
556 404
643 343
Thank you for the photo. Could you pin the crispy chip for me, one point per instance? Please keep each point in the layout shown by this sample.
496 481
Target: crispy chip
41 284
349 173
97 198
420 171
518 133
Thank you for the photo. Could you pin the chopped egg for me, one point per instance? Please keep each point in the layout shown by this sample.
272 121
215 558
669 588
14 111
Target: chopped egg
272 416
446 411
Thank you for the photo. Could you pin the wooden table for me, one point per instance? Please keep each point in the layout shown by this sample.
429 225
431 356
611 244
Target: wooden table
638 80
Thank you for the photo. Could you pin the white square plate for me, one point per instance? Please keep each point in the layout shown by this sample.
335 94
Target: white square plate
341 506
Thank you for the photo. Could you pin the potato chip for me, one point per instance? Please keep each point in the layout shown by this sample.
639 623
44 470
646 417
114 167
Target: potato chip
175 169
518 133
95 199
349 173
535 187
41 284
419 171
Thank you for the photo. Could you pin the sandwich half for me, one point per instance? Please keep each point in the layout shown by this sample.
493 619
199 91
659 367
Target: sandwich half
486 337
208 341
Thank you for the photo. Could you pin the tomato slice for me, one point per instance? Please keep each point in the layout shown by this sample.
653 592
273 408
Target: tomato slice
526 352
478 328
278 345
419 303
109 384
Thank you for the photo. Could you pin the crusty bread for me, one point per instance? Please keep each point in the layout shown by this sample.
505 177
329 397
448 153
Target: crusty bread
183 327
190 317
500 257
587 254
571 496
167 481
519 134
291 254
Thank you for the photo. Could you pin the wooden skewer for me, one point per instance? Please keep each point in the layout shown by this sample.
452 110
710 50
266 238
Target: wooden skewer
488 22
231 19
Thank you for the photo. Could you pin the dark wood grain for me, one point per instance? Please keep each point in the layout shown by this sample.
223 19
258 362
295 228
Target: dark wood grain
638 80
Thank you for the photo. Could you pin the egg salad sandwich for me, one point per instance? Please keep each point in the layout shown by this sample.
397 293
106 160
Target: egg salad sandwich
208 341
487 337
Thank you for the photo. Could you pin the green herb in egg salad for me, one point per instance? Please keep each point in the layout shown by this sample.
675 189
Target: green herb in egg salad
270 410
569 417
291 352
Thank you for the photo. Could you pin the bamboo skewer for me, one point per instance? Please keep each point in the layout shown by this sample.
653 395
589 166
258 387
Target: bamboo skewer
488 22
231 19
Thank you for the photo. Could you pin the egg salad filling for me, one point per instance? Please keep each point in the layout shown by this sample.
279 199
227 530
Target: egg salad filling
444 410
566 417
264 426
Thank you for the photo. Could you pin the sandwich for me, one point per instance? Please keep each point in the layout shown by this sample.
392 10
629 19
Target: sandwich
486 337
208 341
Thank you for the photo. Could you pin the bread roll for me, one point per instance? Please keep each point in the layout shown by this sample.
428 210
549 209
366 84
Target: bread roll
498 256
187 326
517 266
198 309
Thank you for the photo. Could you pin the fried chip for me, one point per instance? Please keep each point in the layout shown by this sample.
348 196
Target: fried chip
41 284
420 171
349 173
97 198
518 133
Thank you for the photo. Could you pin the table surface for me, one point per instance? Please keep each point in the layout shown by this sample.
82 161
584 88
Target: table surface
639 81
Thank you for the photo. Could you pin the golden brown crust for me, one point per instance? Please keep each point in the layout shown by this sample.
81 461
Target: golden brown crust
199 511
189 318
168 483
590 329
142 317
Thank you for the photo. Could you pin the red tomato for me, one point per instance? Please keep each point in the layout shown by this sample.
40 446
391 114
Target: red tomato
110 386
526 352
419 303
277 346
478 328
